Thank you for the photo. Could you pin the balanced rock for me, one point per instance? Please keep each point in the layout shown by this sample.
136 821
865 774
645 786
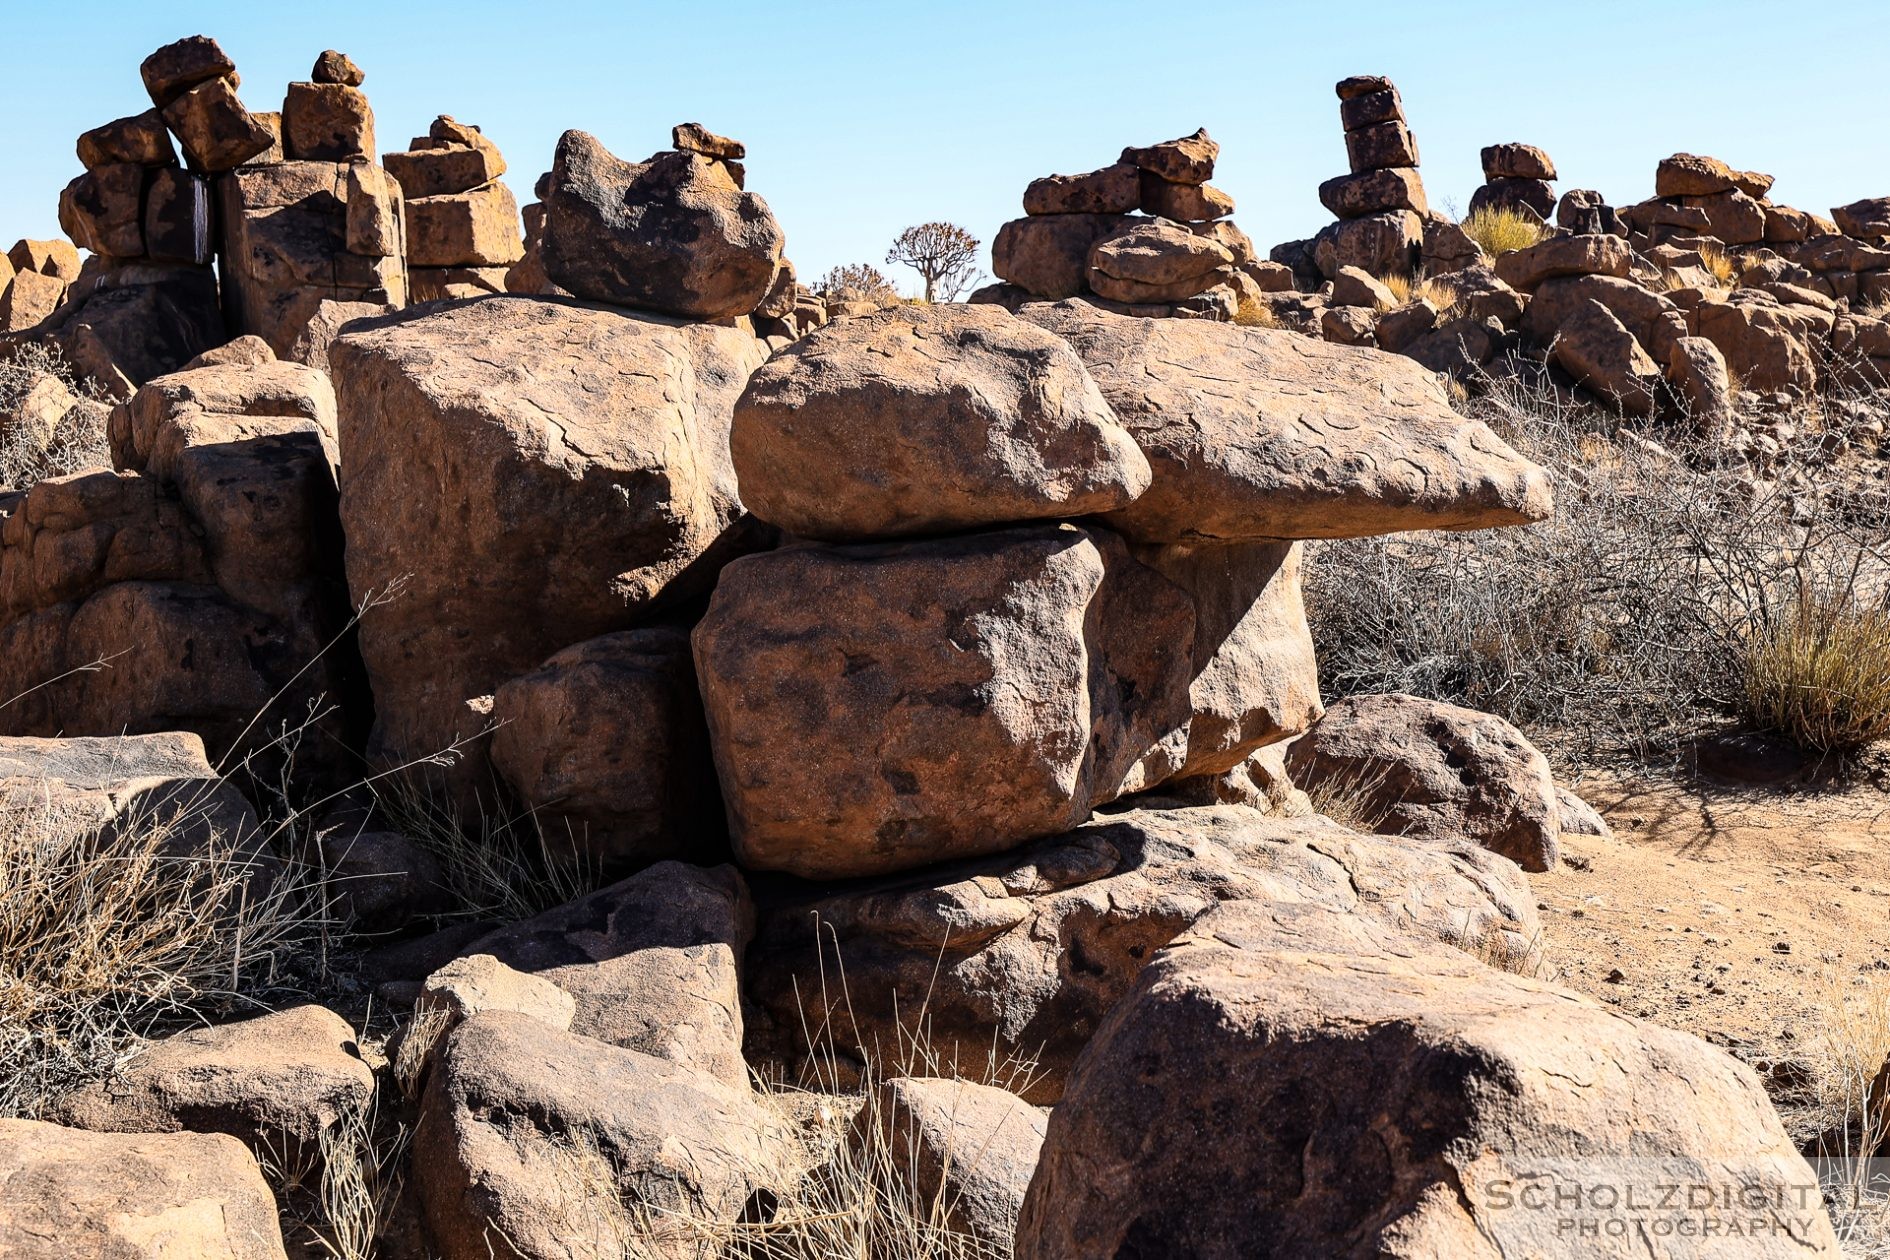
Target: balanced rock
141 140
1261 434
674 234
337 67
921 420
216 133
879 707
1424 768
1359 1092
1516 161
1114 189
1524 269
1868 219
177 67
695 138
1374 192
327 122
1189 160
1686 175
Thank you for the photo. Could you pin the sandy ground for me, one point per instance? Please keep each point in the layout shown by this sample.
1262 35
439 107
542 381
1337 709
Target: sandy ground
1737 914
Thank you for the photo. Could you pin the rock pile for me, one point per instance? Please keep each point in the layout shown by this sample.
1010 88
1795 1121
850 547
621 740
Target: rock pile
1381 203
462 225
33 281
1081 235
1518 177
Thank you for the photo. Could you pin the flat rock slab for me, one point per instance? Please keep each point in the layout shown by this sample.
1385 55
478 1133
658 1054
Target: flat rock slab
1261 434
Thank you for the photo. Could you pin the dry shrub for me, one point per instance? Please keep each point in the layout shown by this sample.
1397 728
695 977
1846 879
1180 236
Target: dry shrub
1502 229
1819 674
1254 313
80 440
109 932
1622 624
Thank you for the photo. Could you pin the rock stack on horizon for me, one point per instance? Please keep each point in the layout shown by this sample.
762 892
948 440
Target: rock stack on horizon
462 223
1381 204
1516 177
1146 236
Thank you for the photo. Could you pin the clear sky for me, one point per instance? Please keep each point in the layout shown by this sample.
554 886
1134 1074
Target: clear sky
861 118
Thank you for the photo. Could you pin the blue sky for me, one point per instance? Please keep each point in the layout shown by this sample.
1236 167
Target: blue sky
863 118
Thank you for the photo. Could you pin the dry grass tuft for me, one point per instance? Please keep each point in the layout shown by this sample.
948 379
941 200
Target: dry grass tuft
1853 1084
1502 229
1255 314
1719 265
499 866
1436 290
109 931
1819 672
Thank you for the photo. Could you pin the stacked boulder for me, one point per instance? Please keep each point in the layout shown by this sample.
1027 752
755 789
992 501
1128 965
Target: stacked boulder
1517 177
1042 567
1381 205
1082 236
312 232
582 500
462 224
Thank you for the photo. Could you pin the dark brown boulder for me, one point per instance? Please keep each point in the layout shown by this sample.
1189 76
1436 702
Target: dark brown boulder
876 708
1112 190
1048 254
674 234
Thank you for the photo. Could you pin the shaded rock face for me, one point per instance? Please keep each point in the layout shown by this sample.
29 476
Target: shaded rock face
276 1082
1048 255
66 1193
1023 955
527 1133
1260 434
922 420
879 707
124 325
286 247
1357 1092
579 482
208 569
676 234
651 961
1255 680
1425 768
605 742
969 1148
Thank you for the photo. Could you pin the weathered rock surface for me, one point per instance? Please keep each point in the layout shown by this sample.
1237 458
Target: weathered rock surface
580 481
1047 255
651 961
275 1082
1156 262
1258 434
1112 190
528 1134
1586 255
922 420
970 1149
1188 160
479 983
1357 1093
1255 680
1023 955
1425 768
674 234
605 742
67 1193
879 707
